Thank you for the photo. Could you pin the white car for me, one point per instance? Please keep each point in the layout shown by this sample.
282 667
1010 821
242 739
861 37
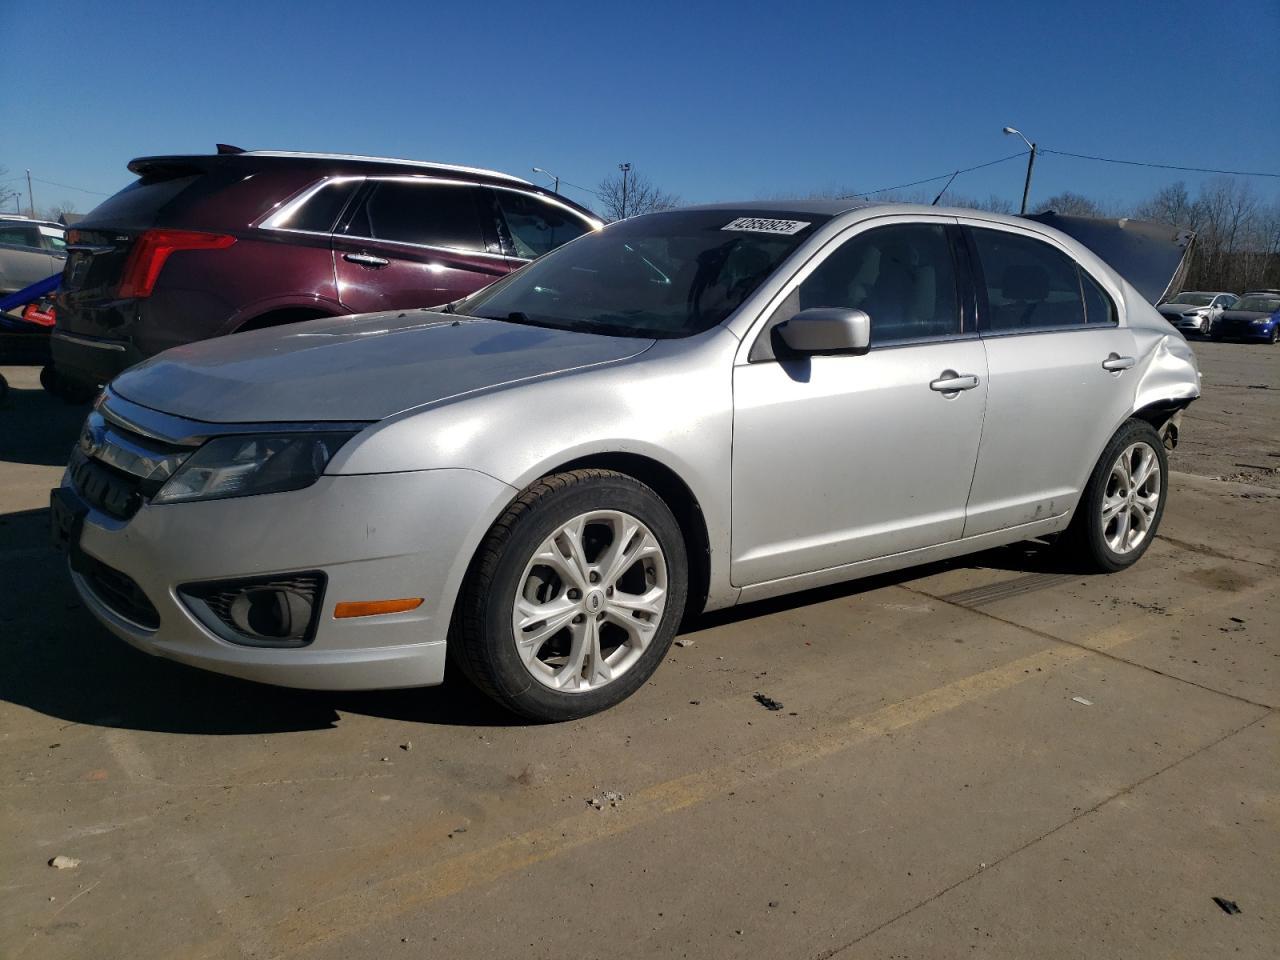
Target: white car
1196 311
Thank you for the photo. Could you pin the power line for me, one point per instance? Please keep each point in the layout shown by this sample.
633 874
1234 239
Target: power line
1158 166
67 186
942 176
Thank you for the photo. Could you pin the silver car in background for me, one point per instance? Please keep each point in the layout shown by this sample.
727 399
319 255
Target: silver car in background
1196 311
682 412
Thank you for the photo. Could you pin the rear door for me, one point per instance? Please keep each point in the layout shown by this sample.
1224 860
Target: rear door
24 259
415 242
1061 376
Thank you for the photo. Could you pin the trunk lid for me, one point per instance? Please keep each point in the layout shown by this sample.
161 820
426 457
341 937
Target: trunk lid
1154 257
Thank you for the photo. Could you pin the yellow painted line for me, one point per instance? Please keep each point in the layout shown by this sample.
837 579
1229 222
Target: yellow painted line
326 920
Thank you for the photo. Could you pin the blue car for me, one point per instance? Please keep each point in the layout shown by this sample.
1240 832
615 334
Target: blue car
1255 317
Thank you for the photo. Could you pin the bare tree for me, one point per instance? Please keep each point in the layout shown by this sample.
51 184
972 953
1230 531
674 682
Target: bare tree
58 209
641 196
1071 204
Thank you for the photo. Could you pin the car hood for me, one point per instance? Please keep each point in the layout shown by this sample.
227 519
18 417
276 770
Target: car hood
1245 314
357 368
1178 308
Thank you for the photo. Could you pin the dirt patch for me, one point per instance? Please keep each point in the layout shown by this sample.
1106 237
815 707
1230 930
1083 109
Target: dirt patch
1222 578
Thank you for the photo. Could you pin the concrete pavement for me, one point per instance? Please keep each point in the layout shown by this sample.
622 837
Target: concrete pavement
931 786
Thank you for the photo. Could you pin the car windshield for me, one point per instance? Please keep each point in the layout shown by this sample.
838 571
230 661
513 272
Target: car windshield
1259 304
1193 299
668 274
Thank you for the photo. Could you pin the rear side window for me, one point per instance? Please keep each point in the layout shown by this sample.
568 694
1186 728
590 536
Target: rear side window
20 235
536 226
425 214
1030 285
1098 307
902 276
322 208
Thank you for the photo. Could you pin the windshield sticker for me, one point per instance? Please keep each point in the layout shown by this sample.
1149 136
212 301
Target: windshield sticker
764 225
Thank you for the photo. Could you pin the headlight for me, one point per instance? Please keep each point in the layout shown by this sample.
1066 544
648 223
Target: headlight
242 466
1261 322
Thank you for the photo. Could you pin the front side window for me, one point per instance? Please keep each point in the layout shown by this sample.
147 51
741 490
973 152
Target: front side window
536 226
1030 285
902 276
669 274
425 214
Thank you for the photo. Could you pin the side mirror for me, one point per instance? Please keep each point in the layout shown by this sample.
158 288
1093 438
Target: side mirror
827 330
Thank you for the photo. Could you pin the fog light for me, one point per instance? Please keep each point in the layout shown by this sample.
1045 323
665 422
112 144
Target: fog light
279 611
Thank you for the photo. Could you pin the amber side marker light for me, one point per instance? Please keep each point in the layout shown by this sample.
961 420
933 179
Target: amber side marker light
373 608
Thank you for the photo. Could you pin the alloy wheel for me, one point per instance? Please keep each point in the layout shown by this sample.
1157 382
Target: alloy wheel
589 602
1131 498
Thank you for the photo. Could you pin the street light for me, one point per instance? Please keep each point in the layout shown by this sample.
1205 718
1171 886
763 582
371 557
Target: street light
1031 162
625 168
548 173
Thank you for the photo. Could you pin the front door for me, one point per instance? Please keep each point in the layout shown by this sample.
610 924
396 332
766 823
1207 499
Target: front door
414 242
838 459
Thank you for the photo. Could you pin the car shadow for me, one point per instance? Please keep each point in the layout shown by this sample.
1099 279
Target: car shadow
38 428
60 662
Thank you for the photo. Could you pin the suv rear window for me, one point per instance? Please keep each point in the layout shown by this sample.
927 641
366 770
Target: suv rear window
426 214
137 204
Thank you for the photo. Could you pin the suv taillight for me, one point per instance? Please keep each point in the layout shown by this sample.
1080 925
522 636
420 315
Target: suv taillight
152 249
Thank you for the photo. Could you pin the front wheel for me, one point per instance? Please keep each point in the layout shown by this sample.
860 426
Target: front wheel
1120 509
574 597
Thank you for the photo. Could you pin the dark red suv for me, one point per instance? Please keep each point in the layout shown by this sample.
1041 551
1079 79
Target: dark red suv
201 246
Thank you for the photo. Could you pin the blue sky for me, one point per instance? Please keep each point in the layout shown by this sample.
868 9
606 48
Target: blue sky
712 101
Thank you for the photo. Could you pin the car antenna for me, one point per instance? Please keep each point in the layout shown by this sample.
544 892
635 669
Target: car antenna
944 189
228 148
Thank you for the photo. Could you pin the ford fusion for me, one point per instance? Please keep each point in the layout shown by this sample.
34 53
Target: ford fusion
678 413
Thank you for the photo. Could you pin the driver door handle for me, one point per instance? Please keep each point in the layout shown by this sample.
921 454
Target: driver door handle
1117 362
366 260
952 382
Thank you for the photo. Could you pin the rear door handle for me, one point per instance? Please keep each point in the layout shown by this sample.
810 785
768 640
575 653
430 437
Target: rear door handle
1117 363
366 260
951 382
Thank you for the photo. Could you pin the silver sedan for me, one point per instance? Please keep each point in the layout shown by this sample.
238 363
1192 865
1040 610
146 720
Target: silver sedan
678 413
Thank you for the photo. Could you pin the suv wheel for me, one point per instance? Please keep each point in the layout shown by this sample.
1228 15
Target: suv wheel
574 596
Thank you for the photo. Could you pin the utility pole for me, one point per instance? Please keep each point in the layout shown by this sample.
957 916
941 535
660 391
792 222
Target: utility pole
31 200
1031 162
625 168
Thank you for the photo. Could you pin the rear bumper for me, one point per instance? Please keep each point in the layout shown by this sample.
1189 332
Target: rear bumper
92 360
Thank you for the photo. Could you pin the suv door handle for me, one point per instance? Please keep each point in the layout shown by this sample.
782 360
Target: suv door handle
366 260
1117 363
951 382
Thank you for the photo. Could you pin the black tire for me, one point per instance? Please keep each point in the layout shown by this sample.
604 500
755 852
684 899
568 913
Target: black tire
1275 334
1085 538
49 380
4 389
481 642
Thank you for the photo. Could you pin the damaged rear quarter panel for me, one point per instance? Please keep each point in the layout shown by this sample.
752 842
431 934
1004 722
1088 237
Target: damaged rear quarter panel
1167 369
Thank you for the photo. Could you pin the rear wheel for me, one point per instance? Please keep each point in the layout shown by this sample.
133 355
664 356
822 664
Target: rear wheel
574 596
1120 509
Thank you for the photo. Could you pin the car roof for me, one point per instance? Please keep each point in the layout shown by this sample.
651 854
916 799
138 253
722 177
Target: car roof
359 158
18 218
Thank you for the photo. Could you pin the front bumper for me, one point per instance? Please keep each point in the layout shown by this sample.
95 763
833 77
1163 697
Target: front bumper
1229 330
379 536
1191 324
